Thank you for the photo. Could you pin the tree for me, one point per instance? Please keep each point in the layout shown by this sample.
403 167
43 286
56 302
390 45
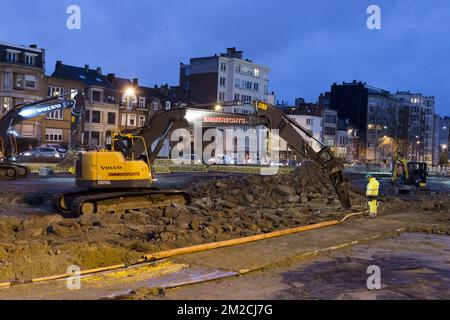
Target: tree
443 159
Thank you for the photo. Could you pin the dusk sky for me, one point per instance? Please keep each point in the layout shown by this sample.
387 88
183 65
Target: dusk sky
308 44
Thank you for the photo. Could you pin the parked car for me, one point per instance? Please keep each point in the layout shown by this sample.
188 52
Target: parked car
221 160
62 151
188 159
42 152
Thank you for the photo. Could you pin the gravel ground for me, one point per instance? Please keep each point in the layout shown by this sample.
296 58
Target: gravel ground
36 241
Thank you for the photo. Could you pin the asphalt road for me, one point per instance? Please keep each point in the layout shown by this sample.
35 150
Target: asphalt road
179 180
412 266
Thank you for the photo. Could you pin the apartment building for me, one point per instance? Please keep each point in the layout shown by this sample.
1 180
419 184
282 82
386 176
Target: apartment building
441 140
22 80
137 103
224 77
418 111
310 117
102 102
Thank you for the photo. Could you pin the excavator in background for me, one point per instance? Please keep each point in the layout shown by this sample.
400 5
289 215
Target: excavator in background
8 136
121 179
408 176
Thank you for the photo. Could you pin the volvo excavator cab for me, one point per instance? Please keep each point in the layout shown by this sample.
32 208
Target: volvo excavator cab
117 168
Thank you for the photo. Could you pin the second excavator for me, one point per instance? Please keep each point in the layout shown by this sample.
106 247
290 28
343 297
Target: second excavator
73 100
121 178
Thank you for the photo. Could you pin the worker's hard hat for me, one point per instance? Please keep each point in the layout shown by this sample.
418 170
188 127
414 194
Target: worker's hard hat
368 176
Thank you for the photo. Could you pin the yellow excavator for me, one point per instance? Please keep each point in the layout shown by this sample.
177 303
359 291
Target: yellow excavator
408 176
121 178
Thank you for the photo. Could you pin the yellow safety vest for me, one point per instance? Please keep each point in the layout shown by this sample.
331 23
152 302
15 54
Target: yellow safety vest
372 188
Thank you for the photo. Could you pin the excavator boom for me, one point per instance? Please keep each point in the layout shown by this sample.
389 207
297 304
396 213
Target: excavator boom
161 125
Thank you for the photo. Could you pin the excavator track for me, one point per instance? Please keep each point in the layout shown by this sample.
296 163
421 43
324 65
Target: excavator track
91 202
12 171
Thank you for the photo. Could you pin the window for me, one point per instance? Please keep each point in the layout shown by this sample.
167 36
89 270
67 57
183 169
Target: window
108 138
168 105
329 131
310 121
111 99
247 85
141 121
96 116
222 81
30 81
111 118
27 130
221 96
56 115
256 86
7 80
223 66
142 102
256 73
54 91
237 83
29 59
11 56
237 97
132 120
53 135
186 85
95 138
96 95
155 104
6 104
330 119
246 99
19 81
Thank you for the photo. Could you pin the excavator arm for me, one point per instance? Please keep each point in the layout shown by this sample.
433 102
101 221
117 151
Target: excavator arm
35 109
162 125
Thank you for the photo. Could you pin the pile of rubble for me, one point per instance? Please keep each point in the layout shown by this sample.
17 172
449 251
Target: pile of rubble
307 187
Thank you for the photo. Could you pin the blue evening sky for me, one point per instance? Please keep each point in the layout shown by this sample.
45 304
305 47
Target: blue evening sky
308 44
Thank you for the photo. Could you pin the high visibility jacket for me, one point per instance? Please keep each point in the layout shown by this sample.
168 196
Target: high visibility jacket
372 188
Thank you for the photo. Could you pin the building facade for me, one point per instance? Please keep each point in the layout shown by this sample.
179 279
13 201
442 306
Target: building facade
224 77
22 80
441 140
418 111
386 122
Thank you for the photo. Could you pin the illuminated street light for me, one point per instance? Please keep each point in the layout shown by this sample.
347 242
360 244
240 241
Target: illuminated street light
218 108
129 92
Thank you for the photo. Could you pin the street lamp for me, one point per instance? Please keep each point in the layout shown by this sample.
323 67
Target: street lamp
129 94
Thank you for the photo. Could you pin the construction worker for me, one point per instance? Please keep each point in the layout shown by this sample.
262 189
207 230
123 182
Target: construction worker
372 195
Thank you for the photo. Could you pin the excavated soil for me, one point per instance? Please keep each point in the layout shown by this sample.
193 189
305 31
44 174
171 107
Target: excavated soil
41 242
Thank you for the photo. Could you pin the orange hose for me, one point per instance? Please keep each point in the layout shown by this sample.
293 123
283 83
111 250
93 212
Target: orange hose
187 250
